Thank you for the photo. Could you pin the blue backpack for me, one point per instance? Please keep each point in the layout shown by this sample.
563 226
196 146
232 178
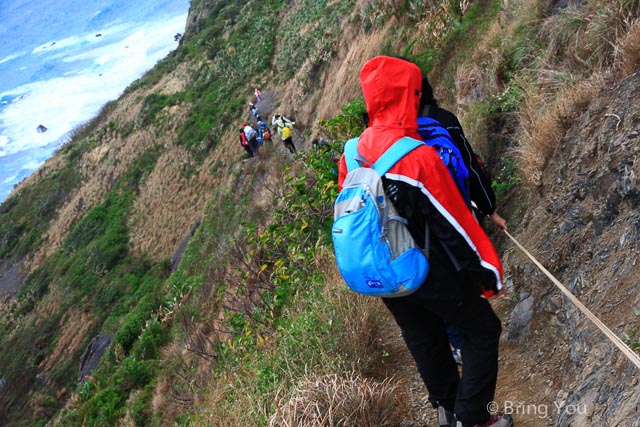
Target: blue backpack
434 135
375 252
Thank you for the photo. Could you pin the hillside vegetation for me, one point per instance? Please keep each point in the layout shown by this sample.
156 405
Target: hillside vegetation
211 277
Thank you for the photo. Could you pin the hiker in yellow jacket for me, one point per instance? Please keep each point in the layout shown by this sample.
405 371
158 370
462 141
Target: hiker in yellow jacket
287 139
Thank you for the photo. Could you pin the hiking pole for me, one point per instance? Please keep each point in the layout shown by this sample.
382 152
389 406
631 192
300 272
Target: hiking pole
626 350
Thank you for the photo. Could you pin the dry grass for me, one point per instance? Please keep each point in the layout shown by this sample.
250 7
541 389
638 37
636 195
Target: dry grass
167 206
544 122
608 22
347 400
627 51
341 80
584 37
582 42
363 320
355 399
563 34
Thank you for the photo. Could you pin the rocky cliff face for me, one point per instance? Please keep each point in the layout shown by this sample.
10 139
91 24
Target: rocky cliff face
584 225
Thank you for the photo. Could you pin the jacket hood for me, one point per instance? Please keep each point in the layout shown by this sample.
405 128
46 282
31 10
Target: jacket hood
391 89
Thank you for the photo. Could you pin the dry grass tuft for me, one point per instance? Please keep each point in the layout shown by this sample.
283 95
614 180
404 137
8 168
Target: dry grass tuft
333 400
543 128
468 82
584 36
74 328
363 320
628 51
563 34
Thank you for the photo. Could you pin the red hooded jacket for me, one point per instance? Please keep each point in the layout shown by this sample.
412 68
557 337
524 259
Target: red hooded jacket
419 184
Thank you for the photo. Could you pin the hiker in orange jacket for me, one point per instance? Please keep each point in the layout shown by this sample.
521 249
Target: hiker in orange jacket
464 268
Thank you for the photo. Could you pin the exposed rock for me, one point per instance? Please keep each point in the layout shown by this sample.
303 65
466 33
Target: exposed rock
41 378
41 129
91 357
177 256
583 226
10 279
556 5
520 319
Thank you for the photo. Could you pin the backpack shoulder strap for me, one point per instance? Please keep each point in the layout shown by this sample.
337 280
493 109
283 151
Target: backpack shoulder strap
350 154
426 110
398 150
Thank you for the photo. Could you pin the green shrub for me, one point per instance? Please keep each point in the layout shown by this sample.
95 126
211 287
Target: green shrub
153 104
104 408
154 336
129 331
26 215
133 374
507 178
349 123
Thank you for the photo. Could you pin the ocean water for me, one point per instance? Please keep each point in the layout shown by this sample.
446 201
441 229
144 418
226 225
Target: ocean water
62 60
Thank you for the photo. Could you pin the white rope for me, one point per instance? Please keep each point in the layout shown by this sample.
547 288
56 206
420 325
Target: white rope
626 350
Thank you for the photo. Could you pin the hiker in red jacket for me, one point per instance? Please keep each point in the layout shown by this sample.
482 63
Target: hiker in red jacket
464 268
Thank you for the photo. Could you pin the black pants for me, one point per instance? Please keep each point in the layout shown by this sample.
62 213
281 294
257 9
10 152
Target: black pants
289 144
253 143
248 150
423 316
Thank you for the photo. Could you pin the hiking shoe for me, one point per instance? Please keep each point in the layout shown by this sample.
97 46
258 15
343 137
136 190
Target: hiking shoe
498 420
495 420
457 355
445 418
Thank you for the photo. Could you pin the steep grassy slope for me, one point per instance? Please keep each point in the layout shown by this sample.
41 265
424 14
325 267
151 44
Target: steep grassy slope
213 275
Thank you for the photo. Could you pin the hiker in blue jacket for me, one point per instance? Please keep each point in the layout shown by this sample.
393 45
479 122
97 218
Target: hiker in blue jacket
478 184
480 189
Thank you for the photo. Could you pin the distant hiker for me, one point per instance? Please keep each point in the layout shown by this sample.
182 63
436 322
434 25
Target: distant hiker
464 267
258 95
264 130
252 137
317 144
254 110
245 143
280 122
287 139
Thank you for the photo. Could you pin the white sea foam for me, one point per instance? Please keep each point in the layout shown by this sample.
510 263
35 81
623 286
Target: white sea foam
11 57
109 64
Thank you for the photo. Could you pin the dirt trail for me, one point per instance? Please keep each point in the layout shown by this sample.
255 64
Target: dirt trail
267 107
516 384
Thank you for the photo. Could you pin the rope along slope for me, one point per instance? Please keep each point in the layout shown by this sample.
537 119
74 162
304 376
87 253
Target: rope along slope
626 350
